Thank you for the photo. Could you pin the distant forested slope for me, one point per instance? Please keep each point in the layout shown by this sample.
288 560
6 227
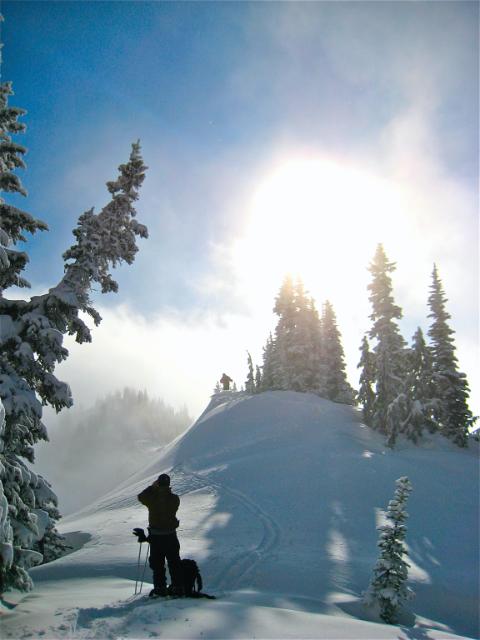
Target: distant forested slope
91 451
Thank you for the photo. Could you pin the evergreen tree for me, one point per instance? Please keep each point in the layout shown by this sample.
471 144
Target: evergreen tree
419 389
310 338
250 381
291 360
258 379
31 343
285 334
411 411
303 361
334 379
13 221
388 587
389 350
268 368
366 394
316 347
18 504
450 386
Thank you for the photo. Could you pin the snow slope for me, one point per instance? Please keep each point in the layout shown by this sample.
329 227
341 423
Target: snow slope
281 494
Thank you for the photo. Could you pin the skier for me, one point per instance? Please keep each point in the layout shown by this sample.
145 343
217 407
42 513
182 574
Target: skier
162 507
225 380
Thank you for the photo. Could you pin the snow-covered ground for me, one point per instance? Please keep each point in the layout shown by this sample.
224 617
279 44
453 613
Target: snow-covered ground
281 494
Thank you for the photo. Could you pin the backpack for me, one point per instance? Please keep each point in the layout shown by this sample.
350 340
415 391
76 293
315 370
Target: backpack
192 580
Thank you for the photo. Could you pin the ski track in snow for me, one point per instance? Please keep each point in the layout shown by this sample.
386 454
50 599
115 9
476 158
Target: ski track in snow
102 622
242 563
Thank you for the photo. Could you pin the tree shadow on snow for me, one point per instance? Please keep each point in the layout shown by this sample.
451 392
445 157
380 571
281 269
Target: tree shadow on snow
419 632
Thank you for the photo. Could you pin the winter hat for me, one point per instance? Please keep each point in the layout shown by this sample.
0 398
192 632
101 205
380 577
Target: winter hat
163 480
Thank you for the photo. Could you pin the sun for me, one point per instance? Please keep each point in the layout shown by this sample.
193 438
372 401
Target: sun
315 218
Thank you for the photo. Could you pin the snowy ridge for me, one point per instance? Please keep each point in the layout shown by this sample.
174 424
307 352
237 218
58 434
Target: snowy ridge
281 493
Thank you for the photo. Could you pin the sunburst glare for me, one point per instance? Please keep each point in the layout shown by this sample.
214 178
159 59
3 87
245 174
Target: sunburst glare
317 216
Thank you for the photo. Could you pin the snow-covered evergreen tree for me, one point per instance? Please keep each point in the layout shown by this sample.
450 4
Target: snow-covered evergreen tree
309 341
291 360
271 369
389 349
285 334
450 385
421 403
334 382
304 352
267 370
412 410
366 393
13 221
258 379
388 588
250 381
31 338
18 519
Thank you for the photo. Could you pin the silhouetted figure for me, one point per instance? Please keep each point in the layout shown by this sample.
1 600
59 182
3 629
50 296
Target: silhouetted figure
225 380
162 534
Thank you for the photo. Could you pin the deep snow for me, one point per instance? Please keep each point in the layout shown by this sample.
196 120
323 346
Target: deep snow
281 494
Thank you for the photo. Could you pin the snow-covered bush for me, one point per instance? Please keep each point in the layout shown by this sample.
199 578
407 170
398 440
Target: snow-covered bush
31 340
388 587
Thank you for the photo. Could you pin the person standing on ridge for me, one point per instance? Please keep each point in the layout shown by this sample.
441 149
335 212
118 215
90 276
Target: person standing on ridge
225 380
162 507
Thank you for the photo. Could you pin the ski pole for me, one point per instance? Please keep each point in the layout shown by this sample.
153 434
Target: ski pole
138 567
144 567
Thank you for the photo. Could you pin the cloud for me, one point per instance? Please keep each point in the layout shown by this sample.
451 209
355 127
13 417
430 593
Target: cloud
177 358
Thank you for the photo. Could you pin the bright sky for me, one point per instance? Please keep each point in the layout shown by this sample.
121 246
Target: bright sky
279 136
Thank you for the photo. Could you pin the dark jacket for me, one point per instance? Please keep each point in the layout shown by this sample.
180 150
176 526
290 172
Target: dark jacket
162 507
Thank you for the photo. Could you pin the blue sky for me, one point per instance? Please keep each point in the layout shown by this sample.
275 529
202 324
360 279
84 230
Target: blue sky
222 95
